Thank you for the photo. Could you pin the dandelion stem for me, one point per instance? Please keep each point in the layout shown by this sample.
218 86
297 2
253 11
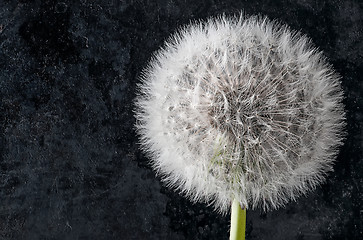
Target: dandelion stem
238 222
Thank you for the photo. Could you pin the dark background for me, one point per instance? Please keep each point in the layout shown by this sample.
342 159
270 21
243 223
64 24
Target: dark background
70 167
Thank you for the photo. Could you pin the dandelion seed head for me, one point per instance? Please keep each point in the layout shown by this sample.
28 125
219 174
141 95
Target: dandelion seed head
240 108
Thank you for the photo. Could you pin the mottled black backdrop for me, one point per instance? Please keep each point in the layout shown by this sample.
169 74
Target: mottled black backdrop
70 167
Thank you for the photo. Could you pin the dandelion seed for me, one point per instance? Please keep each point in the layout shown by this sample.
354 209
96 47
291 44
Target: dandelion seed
240 108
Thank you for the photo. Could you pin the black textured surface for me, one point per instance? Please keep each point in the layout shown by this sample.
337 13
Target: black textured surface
70 167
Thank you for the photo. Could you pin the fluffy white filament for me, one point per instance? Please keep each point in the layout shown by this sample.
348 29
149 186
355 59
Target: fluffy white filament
240 108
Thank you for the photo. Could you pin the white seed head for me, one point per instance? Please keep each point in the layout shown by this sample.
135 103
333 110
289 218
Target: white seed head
240 107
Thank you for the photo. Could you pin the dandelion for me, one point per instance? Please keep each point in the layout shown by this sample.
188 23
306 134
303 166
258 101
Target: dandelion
240 109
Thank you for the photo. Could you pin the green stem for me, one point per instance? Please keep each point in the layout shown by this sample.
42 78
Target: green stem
238 222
